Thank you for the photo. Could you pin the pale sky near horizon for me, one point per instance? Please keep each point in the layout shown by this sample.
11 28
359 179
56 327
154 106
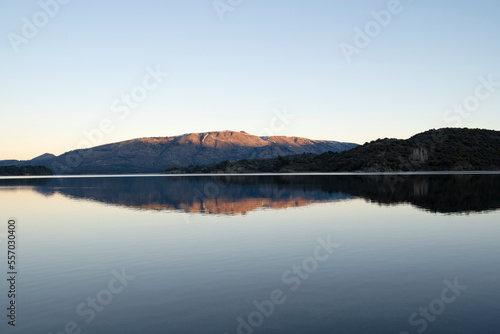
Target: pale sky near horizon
233 74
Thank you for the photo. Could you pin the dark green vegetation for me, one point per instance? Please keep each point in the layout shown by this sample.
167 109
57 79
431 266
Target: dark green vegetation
24 170
446 149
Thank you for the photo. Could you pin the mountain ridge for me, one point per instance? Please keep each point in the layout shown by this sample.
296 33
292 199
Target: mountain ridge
155 154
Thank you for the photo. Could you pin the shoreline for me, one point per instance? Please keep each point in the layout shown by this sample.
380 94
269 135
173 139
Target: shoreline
252 174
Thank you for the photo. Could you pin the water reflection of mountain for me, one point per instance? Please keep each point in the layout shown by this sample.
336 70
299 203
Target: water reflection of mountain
211 195
241 194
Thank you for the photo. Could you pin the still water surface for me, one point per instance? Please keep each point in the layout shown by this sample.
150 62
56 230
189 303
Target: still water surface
254 254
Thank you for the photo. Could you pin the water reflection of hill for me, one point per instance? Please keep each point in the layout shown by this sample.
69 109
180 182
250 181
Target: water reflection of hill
453 193
241 194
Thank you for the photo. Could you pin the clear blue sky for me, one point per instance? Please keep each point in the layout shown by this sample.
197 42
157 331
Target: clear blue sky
231 74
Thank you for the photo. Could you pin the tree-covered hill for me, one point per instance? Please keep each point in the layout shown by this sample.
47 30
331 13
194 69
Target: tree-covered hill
448 149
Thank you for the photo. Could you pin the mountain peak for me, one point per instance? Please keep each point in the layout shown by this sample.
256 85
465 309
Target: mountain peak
155 154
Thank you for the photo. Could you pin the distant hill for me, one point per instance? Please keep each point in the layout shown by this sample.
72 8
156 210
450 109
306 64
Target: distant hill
24 170
447 149
154 155
10 162
42 158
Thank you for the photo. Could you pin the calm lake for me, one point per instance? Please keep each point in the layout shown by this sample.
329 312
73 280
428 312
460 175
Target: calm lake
254 254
